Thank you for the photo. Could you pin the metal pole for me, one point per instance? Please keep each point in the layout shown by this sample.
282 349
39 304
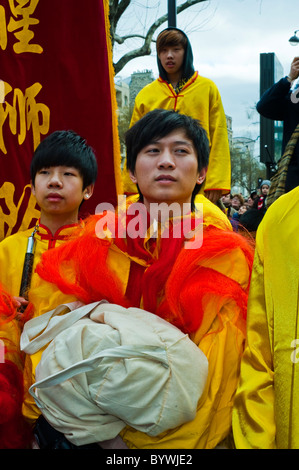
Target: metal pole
171 13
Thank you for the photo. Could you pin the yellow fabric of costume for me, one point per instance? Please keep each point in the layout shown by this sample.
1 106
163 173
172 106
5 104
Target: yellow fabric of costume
220 338
200 99
266 408
12 254
13 249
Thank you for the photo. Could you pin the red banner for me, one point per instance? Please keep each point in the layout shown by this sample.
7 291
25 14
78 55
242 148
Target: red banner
56 73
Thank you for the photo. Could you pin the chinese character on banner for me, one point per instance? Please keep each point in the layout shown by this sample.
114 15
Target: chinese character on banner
55 73
20 27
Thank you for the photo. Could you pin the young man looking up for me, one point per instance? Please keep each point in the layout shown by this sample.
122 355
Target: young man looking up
179 87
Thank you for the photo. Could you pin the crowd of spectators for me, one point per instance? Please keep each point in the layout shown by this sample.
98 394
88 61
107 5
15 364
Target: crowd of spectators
246 213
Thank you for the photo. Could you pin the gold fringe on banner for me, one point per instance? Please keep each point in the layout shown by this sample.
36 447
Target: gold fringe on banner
116 142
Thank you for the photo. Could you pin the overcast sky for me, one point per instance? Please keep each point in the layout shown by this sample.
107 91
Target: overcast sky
227 37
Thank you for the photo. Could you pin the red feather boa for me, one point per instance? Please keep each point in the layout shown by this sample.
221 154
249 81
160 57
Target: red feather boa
15 433
172 286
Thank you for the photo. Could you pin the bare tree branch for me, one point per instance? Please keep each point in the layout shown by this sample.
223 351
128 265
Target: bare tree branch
122 39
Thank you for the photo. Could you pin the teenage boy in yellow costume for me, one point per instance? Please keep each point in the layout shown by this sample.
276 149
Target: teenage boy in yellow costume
201 289
181 88
63 173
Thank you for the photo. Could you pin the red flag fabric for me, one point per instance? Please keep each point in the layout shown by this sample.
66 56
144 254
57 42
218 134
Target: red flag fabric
55 73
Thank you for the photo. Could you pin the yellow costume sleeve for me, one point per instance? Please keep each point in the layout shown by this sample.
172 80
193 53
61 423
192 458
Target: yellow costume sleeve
12 251
12 254
9 342
219 170
253 414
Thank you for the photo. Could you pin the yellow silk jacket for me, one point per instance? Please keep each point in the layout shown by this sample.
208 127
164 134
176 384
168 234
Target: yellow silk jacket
266 408
13 249
200 99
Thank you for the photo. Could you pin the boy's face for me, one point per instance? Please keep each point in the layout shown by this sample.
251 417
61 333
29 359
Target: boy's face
172 58
59 190
265 189
242 209
166 170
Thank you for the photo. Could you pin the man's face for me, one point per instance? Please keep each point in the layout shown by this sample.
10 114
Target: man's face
172 58
236 203
166 170
226 200
250 201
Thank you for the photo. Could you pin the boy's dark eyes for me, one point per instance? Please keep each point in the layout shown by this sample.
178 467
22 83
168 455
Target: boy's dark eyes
176 49
45 171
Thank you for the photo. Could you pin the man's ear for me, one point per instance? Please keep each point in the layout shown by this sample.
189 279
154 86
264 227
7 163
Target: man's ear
133 177
202 175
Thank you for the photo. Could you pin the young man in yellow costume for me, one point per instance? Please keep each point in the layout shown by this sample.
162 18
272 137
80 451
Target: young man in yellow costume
201 289
267 402
63 172
181 88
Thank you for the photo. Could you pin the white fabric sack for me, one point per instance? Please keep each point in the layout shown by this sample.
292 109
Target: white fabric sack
113 367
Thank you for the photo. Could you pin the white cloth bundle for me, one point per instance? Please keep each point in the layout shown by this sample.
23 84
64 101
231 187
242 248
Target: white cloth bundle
106 367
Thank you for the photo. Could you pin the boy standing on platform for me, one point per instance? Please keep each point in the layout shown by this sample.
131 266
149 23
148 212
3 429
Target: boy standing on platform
180 88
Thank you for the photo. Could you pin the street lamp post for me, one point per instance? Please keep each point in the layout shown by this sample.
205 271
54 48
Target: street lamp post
294 40
172 13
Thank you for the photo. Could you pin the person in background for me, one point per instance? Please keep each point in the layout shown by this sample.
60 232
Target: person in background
281 103
180 87
260 202
236 217
250 219
226 202
237 201
251 198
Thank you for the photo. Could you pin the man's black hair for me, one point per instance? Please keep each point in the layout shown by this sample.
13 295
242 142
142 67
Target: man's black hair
65 148
159 123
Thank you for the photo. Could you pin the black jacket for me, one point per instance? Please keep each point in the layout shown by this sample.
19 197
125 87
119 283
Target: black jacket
276 104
